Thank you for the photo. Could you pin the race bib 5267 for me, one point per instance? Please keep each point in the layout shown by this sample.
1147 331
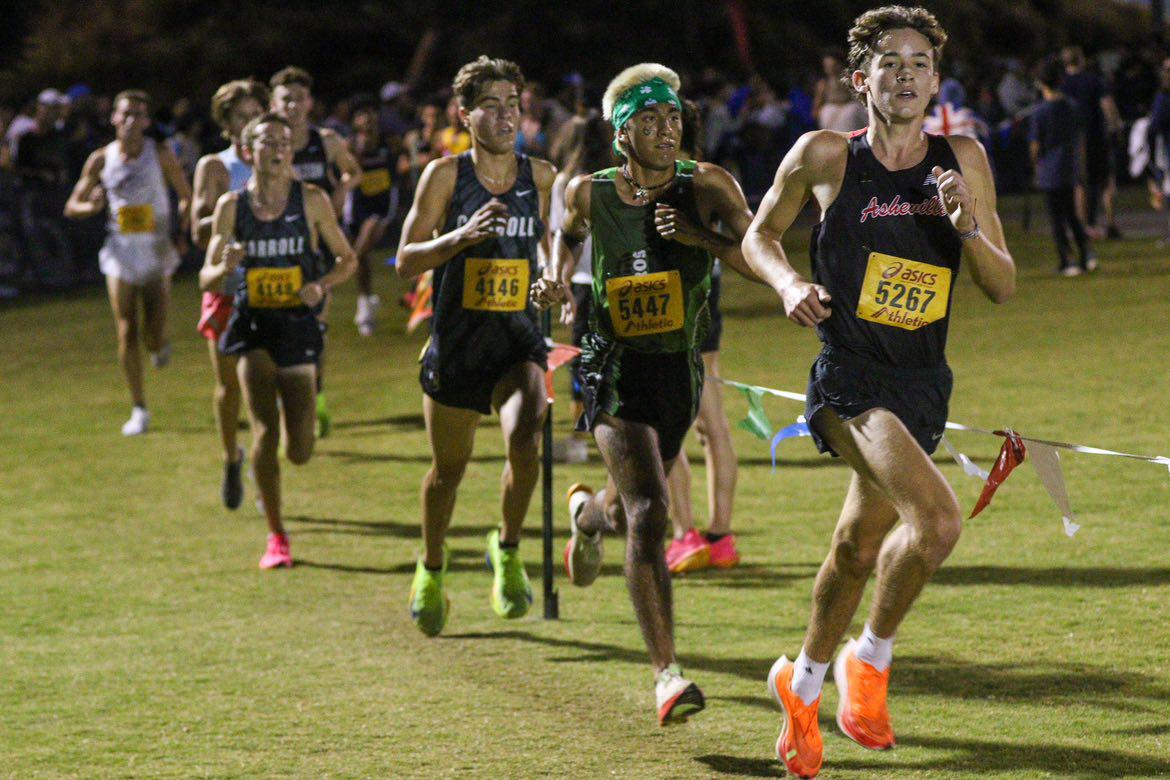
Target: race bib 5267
903 293
646 304
136 219
492 284
274 288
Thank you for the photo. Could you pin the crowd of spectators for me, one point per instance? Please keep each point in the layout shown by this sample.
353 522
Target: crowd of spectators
749 124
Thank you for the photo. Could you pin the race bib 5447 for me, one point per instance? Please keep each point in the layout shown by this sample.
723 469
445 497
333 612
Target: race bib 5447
136 219
903 293
492 284
274 288
646 304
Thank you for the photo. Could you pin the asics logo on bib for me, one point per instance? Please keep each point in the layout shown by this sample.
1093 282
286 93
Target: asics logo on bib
896 208
909 275
490 269
523 227
637 286
274 247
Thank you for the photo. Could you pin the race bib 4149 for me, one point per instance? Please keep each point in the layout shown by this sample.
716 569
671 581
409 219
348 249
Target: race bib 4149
274 288
492 284
646 304
903 293
136 219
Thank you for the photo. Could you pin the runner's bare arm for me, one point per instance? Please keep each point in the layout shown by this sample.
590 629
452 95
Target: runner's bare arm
817 161
211 181
176 177
544 174
722 194
338 153
421 247
319 212
223 254
970 202
87 198
566 246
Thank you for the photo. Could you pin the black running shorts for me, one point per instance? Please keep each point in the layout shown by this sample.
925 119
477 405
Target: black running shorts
850 385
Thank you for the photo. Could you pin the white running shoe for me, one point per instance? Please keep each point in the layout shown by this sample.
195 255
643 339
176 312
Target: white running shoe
676 697
161 358
138 423
367 313
583 552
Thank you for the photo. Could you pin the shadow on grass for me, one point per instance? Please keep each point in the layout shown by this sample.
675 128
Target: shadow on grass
742 767
329 525
409 421
746 576
972 757
387 457
1097 577
587 652
1034 683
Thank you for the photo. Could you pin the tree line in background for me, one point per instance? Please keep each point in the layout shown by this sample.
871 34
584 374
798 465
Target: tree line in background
181 48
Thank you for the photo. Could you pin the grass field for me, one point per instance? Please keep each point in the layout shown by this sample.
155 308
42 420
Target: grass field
138 638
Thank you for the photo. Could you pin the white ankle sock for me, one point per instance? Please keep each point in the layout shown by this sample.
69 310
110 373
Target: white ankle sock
808 677
874 650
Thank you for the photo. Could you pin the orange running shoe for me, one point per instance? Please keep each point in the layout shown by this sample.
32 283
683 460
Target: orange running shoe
862 714
799 747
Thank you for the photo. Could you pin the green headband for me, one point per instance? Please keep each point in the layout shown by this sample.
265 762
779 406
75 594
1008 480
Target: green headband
645 95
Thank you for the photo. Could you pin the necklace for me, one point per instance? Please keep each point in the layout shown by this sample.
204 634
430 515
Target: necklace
641 191
494 181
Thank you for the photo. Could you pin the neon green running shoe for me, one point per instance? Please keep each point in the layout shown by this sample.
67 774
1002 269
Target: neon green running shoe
324 419
429 605
511 591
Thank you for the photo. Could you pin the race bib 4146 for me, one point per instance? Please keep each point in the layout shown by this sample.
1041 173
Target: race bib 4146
903 293
492 284
136 219
645 305
274 288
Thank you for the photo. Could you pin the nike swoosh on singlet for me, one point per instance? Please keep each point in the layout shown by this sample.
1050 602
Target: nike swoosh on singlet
292 217
522 193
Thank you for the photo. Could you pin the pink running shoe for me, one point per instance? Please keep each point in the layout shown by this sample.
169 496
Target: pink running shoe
723 553
690 553
277 553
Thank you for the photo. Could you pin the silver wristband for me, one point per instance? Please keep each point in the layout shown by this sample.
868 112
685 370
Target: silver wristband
974 232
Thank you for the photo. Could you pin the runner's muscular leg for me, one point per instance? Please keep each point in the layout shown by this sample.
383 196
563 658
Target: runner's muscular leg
451 432
520 398
715 433
865 520
226 399
880 450
678 481
297 386
156 302
258 381
124 304
369 234
630 451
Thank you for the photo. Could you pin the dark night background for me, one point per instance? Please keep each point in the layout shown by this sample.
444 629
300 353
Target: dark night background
176 47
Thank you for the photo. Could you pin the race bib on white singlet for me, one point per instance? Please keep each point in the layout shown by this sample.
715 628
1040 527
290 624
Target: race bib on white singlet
136 219
903 293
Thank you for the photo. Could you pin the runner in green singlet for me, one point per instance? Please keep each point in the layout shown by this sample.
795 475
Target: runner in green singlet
641 372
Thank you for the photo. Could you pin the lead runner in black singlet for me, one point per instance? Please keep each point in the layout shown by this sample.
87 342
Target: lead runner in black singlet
320 157
899 210
478 220
273 231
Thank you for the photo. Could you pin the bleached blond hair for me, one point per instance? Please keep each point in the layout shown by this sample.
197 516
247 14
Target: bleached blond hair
632 77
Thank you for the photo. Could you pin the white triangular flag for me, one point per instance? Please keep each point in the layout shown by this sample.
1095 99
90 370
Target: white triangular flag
1046 461
969 467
